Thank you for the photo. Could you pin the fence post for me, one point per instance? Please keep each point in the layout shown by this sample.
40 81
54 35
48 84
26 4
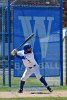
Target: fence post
61 45
3 44
9 42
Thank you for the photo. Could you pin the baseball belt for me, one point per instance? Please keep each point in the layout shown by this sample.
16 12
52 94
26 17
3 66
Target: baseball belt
32 67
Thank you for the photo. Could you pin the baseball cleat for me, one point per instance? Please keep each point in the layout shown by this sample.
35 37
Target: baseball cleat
20 91
50 90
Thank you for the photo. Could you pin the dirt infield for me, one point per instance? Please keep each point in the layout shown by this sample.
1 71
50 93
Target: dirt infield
14 94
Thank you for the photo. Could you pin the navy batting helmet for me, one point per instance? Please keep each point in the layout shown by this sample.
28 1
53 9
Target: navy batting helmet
27 48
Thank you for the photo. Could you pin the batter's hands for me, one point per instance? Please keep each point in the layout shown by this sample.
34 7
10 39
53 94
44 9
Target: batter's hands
14 52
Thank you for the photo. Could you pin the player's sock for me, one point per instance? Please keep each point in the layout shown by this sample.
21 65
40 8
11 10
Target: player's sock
45 83
21 86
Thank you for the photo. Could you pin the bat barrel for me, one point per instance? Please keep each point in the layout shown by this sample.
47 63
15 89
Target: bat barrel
25 41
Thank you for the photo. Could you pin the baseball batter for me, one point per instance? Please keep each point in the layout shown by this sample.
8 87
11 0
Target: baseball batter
27 56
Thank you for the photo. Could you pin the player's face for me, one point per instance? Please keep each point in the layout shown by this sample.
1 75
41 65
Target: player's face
29 50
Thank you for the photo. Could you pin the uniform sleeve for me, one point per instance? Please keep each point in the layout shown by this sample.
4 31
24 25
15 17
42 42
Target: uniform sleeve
20 54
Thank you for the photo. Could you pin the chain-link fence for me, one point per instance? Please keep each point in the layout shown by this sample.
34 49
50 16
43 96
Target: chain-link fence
23 9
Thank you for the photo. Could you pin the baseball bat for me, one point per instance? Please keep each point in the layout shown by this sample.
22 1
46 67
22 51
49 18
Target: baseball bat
25 41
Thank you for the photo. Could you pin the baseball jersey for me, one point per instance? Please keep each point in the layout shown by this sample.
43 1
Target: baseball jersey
29 60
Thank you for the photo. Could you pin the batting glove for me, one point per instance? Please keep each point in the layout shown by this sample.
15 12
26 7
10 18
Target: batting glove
14 52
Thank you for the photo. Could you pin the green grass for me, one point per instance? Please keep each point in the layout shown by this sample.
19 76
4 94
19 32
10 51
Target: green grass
42 98
29 82
32 81
16 80
6 88
61 88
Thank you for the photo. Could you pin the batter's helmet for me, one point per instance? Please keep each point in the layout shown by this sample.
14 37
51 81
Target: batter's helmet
26 47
